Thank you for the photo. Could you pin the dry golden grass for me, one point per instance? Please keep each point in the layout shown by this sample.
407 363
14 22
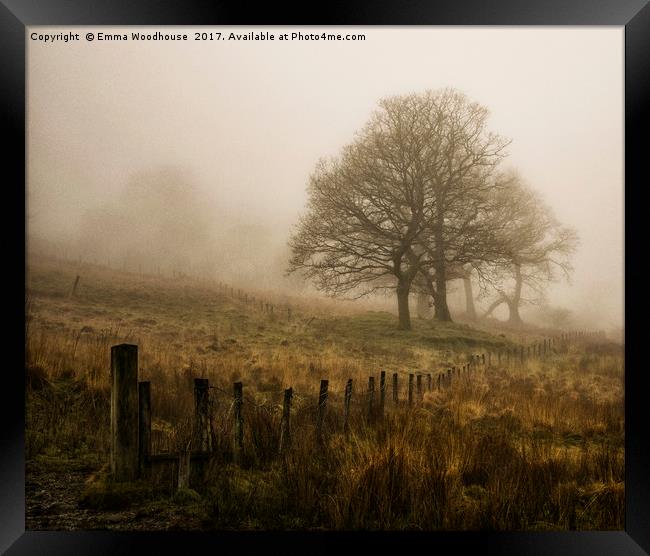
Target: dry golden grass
538 446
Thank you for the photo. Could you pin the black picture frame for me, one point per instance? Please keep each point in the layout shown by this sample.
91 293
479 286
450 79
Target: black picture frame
16 15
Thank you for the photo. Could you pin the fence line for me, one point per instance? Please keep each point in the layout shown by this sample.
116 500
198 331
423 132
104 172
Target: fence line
131 408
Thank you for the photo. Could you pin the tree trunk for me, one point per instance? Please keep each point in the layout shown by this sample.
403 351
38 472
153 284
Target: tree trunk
469 299
423 308
403 305
494 306
440 300
513 304
514 317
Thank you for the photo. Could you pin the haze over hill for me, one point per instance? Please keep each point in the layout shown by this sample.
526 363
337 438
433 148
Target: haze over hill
194 157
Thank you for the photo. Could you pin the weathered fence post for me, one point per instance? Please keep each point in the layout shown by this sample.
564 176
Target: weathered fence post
144 428
429 382
238 438
184 468
371 397
285 431
382 392
419 387
439 381
410 398
395 391
74 286
202 429
346 406
322 406
124 412
448 377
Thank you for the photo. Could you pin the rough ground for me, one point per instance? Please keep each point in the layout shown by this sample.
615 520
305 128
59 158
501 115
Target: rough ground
52 503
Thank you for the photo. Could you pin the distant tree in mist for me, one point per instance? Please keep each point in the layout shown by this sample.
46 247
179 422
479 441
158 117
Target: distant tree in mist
161 220
535 249
405 204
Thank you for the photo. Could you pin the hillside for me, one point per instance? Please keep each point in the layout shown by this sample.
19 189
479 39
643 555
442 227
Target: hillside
513 444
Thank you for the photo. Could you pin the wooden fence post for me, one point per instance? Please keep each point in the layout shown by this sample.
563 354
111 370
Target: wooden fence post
184 468
439 381
74 286
202 429
429 382
238 439
285 431
322 406
371 397
395 391
382 392
124 412
419 387
448 377
346 406
410 398
483 359
144 428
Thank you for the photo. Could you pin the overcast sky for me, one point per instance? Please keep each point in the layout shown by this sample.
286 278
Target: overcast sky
249 120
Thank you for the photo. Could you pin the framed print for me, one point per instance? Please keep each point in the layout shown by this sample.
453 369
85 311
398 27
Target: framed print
305 280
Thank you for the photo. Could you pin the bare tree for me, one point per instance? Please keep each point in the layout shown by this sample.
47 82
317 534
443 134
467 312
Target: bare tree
408 197
462 174
366 209
536 249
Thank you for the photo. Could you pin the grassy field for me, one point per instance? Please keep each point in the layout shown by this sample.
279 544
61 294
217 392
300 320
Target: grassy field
533 446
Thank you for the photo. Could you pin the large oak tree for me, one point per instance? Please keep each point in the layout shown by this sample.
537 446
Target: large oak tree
367 207
407 198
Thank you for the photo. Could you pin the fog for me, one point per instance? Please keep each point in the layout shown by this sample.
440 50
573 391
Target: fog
194 156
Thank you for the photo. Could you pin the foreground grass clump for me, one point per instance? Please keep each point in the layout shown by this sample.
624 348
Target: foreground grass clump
101 493
510 447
